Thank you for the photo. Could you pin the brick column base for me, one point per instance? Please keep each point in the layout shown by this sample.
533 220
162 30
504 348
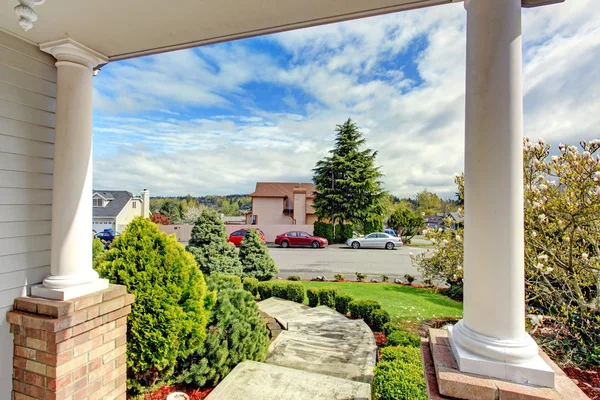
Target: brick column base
71 350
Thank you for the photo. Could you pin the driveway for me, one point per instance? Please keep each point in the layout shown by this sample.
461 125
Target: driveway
309 263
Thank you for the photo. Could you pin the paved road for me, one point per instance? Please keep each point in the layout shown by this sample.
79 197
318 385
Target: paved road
308 263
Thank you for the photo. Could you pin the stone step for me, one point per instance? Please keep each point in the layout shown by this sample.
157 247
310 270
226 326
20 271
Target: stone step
258 381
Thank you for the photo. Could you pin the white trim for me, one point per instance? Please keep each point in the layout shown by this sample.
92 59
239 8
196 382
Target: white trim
68 50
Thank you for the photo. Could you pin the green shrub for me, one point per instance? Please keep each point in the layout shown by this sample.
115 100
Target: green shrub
385 278
251 285
210 247
391 327
169 316
399 375
97 250
360 276
293 278
373 225
343 232
364 309
339 277
255 258
403 338
327 296
323 229
236 280
286 290
265 290
236 332
402 354
379 318
313 297
342 303
409 278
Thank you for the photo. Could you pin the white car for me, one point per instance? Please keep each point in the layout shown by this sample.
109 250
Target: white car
378 240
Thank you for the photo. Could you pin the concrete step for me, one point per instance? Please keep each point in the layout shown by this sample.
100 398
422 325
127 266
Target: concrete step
258 381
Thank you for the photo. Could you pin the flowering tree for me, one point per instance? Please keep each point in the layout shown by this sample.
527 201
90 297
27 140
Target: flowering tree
192 214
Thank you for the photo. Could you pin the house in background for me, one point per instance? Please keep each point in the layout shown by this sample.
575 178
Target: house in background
116 208
282 203
233 220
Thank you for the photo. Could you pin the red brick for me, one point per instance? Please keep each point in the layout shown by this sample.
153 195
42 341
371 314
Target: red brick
111 355
19 362
87 326
114 374
117 314
59 383
100 372
60 336
36 367
129 299
36 344
25 304
91 388
80 372
68 321
121 360
30 390
54 308
36 333
87 301
79 339
21 396
33 321
13 317
87 346
114 291
115 333
29 377
24 352
19 339
121 321
95 364
93 312
120 341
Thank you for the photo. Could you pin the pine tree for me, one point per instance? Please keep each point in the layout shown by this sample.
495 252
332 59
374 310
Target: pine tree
348 185
256 260
210 247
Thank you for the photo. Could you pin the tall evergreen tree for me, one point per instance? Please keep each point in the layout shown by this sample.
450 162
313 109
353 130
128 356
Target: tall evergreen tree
348 181
209 245
256 260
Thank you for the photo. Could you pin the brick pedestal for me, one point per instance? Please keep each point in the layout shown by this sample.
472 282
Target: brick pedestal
72 349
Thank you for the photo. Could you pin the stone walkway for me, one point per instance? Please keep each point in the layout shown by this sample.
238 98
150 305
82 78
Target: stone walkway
321 355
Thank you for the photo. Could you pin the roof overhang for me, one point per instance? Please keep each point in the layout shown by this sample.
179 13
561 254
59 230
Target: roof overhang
121 29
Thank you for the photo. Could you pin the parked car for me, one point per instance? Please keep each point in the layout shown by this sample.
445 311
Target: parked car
237 236
107 236
375 240
390 232
300 239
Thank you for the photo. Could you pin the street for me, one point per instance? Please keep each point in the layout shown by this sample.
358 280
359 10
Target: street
309 263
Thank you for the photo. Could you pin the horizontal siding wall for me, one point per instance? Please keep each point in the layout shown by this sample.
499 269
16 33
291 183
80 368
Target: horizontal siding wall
27 119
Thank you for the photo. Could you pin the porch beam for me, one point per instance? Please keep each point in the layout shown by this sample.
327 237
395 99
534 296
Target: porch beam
491 339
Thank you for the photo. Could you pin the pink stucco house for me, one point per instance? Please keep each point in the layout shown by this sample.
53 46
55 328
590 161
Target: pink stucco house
282 203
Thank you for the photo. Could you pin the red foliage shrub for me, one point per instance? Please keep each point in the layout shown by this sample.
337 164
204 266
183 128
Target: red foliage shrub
194 393
160 219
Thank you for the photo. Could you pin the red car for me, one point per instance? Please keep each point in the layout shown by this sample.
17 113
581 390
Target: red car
300 239
237 236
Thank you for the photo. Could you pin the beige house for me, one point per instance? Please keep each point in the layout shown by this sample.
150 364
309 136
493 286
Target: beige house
114 209
282 203
47 66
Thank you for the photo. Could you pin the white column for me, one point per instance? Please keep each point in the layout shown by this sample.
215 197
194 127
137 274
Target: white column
491 338
71 269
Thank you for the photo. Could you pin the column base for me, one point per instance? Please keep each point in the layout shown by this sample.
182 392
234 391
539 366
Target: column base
69 292
531 370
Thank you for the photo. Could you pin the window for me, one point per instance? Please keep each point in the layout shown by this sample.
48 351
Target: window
303 234
371 236
97 202
239 233
134 204
291 234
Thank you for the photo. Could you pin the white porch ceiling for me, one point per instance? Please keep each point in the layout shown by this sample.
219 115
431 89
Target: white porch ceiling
129 28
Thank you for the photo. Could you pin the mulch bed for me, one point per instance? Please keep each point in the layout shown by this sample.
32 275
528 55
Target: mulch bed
587 380
194 393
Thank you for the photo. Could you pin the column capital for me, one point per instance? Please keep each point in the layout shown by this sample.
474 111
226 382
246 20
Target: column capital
71 51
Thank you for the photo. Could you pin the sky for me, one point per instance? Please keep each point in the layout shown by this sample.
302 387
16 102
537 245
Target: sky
217 119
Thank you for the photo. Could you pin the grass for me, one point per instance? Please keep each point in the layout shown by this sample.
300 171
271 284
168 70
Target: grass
404 303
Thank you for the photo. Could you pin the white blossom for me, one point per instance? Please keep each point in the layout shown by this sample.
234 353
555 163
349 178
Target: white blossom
542 217
549 269
537 205
562 148
533 233
597 176
543 257
459 267
541 141
543 187
573 149
586 154
425 231
458 238
598 192
554 158
585 256
540 266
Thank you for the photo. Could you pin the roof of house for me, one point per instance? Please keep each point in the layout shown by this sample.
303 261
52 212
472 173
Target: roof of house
119 199
282 189
457 216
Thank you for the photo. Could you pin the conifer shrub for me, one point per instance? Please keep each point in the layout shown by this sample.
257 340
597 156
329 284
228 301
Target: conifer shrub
293 278
97 250
364 309
251 285
379 318
399 375
327 296
342 303
255 258
402 337
286 290
313 297
236 332
210 247
169 316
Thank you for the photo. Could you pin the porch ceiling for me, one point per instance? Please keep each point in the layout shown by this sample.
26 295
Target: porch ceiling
128 28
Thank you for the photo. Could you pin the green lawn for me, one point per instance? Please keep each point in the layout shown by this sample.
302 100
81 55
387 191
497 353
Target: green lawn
404 303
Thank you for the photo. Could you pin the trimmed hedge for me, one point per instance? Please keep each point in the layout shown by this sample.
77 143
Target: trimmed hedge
391 327
403 338
313 297
293 278
327 296
399 376
343 232
364 309
342 303
286 290
251 285
379 318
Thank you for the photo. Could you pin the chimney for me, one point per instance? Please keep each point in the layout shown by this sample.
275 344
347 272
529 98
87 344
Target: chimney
146 203
300 205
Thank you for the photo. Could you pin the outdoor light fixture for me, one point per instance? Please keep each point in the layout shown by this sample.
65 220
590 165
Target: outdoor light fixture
96 71
26 14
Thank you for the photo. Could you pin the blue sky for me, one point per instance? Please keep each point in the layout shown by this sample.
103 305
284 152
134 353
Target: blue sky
216 119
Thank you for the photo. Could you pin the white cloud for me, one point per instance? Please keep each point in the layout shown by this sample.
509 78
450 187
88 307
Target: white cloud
412 113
